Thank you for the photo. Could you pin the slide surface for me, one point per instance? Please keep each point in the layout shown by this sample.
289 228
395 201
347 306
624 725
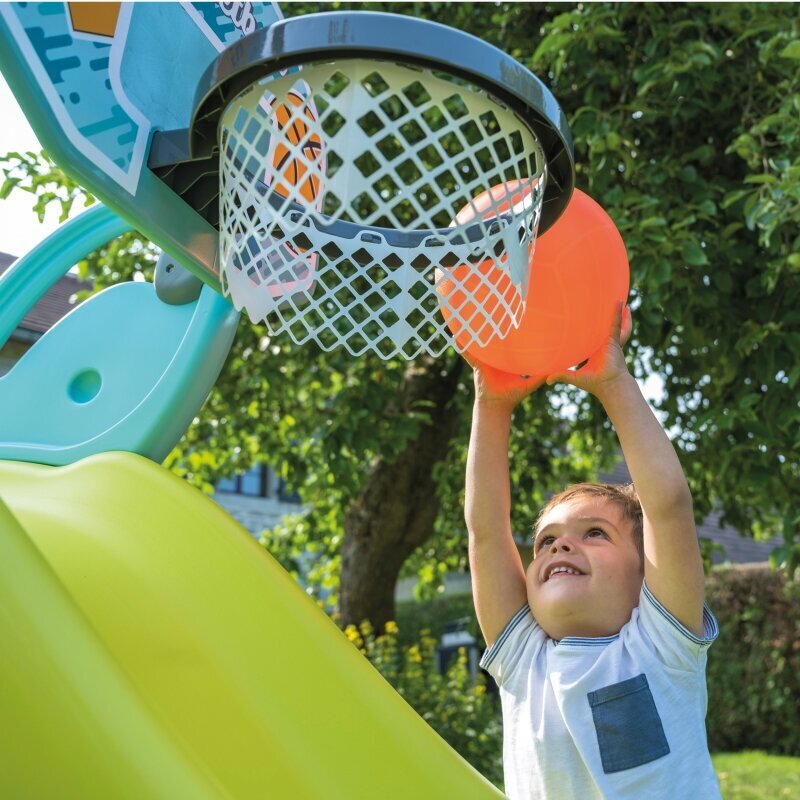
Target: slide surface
151 648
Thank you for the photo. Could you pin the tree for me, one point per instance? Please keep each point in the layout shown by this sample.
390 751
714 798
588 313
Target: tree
686 127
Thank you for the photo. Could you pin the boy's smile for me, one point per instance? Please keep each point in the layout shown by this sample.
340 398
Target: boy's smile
556 569
586 575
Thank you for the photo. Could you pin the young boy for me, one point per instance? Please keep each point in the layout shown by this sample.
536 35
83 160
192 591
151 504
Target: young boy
600 650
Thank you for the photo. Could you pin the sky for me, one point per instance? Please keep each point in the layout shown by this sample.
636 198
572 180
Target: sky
20 229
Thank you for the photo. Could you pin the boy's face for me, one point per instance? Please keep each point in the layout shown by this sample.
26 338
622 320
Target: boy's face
588 536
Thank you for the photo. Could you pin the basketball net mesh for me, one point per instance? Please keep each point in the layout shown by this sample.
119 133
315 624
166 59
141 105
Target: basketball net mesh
348 213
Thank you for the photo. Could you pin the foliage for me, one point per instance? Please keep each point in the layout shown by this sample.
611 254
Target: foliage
686 127
413 617
128 257
312 560
754 666
454 705
757 776
38 175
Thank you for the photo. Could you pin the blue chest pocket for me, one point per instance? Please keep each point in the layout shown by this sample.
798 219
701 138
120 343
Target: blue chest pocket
629 729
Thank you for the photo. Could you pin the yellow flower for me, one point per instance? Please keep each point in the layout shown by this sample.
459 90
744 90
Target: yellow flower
351 632
391 627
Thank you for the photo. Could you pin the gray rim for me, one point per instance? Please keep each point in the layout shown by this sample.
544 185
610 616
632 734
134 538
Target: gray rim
366 34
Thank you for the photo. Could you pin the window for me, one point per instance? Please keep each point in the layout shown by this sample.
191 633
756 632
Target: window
258 481
284 495
227 485
253 483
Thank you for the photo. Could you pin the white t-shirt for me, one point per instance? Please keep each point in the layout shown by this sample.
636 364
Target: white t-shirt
615 717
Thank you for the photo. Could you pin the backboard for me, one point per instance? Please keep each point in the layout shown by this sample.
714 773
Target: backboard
96 80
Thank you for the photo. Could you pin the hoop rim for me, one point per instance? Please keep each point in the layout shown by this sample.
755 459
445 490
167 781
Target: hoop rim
463 236
380 36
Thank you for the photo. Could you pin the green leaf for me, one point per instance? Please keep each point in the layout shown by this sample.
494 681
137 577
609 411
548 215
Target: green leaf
693 254
8 185
708 207
748 401
662 270
792 50
653 222
734 197
552 44
765 178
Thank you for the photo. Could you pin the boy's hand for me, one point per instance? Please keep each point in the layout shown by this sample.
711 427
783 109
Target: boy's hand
607 364
493 385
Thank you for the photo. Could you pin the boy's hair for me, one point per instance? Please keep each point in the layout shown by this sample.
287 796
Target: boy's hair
624 496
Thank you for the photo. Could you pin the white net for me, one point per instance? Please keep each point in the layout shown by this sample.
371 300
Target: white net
378 207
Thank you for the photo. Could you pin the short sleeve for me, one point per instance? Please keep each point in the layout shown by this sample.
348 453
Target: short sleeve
517 643
675 644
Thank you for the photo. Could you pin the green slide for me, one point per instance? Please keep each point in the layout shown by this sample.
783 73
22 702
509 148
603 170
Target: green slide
152 649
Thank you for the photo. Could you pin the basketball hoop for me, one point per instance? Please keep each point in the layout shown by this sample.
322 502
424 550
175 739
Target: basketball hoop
348 148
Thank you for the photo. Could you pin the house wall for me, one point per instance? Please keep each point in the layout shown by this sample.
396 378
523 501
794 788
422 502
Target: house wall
255 513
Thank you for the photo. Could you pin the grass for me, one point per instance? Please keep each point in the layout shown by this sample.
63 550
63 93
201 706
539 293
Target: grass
753 775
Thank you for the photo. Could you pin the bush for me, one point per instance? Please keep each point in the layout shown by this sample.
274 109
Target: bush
432 615
455 705
754 666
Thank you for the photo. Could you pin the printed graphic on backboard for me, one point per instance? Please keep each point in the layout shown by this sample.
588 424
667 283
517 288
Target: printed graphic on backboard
114 72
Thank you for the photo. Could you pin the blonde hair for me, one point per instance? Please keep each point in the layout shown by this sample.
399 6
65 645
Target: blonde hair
624 496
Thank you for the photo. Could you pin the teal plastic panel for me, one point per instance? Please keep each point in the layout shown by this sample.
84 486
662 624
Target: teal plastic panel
122 371
24 284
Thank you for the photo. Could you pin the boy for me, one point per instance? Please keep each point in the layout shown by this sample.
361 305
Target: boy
600 650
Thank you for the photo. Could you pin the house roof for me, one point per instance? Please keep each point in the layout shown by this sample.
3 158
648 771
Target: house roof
58 301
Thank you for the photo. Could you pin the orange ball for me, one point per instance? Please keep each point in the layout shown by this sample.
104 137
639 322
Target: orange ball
481 298
578 275
289 169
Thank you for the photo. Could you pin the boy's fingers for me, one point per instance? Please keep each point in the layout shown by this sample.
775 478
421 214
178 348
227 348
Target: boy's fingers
524 381
533 380
616 327
627 326
560 377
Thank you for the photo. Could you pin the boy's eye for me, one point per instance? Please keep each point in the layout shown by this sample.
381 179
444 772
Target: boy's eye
596 532
543 541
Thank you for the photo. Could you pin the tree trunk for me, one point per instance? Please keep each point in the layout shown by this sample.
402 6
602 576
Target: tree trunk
395 511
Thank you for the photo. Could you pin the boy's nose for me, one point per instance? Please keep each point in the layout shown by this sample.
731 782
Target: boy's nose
562 545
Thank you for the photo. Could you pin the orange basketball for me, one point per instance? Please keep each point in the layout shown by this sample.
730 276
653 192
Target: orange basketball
578 275
483 297
291 170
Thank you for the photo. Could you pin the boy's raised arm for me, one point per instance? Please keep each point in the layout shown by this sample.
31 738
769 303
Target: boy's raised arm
498 577
673 566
